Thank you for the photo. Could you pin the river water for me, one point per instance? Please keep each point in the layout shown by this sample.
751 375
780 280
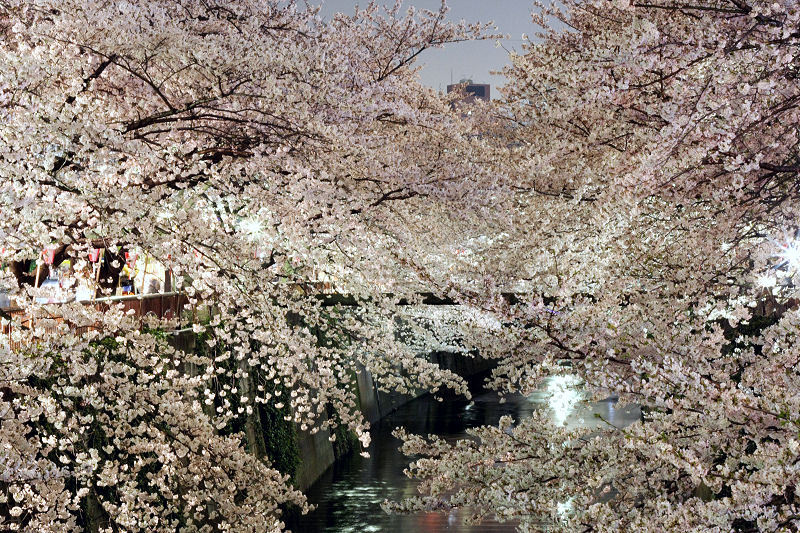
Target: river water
349 494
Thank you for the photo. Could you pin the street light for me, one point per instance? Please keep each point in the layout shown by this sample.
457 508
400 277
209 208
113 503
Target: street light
780 276
252 228
790 254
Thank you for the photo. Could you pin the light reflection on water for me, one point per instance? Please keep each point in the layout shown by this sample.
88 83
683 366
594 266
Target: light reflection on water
349 494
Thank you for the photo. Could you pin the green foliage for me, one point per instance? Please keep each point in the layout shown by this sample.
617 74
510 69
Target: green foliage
346 441
279 434
280 439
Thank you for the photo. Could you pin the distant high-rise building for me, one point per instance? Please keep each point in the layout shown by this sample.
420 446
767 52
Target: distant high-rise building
474 91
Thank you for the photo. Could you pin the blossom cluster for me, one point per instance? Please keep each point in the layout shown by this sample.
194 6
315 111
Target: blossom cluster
653 146
257 152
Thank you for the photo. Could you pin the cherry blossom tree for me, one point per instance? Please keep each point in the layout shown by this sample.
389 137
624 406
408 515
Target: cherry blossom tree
654 149
251 148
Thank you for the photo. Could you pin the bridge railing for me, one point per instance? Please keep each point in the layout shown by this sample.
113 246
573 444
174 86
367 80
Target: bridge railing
165 306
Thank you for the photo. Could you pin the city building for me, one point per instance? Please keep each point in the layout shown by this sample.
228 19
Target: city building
472 91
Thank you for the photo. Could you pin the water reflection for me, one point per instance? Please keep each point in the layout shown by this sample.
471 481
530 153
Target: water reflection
348 495
564 396
568 405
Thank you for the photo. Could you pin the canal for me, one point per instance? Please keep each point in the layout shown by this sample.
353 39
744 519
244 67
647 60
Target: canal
349 494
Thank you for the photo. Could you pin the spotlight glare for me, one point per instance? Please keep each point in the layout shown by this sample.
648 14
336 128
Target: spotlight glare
251 227
767 281
791 254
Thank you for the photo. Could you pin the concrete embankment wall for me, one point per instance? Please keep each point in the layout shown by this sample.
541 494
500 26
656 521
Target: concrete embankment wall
307 456
317 452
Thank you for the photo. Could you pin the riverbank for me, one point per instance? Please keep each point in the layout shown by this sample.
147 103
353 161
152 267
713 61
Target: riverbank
317 453
348 495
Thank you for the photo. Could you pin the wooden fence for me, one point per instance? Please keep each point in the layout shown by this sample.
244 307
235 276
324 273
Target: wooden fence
165 306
